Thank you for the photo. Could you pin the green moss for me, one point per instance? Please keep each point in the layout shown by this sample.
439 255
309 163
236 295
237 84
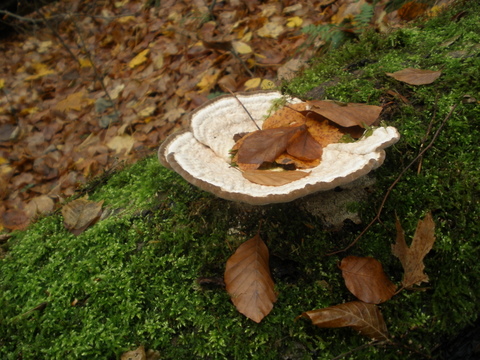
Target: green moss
131 278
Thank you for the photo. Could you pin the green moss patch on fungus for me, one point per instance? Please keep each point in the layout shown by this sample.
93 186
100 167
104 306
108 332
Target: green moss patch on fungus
131 278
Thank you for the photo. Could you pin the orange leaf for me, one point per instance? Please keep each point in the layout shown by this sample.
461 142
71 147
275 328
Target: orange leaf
365 318
415 76
248 279
365 278
79 214
346 115
412 257
273 178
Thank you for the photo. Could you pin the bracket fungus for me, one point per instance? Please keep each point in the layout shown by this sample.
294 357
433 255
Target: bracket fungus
201 153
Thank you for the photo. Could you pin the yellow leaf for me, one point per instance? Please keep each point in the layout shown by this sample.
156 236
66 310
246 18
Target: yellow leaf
29 111
41 70
294 22
209 80
139 59
267 84
126 19
85 63
252 83
3 160
71 102
241 47
2 83
121 142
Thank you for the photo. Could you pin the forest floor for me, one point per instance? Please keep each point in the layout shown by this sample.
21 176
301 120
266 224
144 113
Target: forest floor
90 86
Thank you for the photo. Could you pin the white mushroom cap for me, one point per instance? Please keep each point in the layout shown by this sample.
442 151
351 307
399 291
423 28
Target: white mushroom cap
201 156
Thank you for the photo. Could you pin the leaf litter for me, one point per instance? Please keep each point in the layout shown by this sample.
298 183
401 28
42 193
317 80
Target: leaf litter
55 87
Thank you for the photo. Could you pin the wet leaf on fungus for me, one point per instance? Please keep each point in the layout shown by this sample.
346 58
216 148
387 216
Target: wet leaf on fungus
412 257
365 278
79 214
248 280
365 318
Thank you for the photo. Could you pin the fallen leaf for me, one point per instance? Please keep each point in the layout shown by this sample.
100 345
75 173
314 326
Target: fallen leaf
79 214
42 204
412 257
137 354
365 318
294 21
15 219
71 102
270 30
346 114
139 59
411 10
415 76
241 47
266 145
263 84
121 143
304 147
248 280
273 178
41 70
365 278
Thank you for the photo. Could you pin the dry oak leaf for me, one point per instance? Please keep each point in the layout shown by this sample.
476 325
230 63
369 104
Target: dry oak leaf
365 318
346 114
248 280
412 257
365 278
273 178
79 214
415 76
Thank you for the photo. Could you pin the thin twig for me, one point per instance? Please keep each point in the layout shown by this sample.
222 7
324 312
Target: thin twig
95 69
244 108
380 209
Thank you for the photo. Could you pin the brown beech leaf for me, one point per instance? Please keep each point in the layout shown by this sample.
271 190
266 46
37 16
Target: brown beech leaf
273 178
365 278
304 147
412 257
79 214
248 280
15 219
266 145
415 76
346 115
365 318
